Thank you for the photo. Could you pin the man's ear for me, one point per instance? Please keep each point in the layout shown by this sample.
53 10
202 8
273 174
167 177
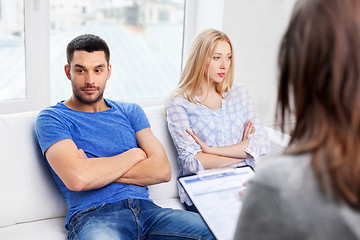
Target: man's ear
67 71
109 72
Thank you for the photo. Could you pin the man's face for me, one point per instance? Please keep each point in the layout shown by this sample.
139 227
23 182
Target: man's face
88 73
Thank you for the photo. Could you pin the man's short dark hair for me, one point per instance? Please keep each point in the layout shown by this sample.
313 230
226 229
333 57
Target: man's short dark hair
88 43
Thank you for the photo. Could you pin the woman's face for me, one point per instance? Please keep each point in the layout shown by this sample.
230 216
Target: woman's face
219 62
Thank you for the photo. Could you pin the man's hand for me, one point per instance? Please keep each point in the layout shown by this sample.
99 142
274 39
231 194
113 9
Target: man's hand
82 154
80 173
155 168
141 154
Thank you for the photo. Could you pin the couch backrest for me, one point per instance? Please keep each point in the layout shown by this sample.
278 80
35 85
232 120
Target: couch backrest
28 190
157 118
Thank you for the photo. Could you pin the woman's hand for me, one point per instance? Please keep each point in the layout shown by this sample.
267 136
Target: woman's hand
203 146
236 151
243 189
249 129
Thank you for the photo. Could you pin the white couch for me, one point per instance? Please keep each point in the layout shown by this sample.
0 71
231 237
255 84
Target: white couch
31 207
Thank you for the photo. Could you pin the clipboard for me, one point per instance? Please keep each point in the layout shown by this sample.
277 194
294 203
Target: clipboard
215 194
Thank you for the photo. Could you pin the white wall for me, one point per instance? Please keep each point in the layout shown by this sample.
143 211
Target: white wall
200 15
255 28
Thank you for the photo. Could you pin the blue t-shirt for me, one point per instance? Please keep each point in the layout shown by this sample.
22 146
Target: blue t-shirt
101 134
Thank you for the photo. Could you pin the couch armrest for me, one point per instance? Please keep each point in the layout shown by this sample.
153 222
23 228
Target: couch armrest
278 141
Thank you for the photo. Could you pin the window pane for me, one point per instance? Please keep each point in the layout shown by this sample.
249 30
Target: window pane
12 50
145 39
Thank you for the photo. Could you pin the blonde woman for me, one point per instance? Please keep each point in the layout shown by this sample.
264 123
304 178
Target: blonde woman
212 121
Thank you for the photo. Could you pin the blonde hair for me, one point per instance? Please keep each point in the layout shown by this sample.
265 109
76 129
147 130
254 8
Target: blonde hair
194 71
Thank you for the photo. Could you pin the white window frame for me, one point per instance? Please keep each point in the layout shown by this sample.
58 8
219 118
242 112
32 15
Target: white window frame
199 14
37 64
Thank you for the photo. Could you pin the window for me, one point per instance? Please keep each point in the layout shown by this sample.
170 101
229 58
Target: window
24 44
146 58
145 39
12 50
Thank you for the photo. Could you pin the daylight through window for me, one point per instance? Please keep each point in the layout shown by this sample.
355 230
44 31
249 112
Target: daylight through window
145 39
12 50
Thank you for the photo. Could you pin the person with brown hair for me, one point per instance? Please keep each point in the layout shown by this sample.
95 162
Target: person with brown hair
313 190
212 121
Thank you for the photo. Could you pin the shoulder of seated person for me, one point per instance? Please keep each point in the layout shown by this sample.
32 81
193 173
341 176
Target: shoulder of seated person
282 168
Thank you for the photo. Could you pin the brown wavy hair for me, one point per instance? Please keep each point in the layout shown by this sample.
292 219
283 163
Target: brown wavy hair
319 84
194 71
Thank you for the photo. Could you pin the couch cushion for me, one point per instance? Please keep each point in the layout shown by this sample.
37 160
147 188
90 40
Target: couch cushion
54 228
173 203
31 193
28 190
48 229
156 116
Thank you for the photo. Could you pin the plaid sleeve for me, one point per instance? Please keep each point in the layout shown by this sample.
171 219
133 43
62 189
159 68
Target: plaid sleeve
178 122
259 142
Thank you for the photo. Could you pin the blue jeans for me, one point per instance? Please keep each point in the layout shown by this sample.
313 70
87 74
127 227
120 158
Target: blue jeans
136 219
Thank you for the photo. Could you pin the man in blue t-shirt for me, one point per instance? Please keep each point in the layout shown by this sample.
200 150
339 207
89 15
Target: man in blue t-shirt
102 155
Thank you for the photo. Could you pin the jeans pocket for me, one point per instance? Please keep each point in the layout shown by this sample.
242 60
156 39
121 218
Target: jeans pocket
80 214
